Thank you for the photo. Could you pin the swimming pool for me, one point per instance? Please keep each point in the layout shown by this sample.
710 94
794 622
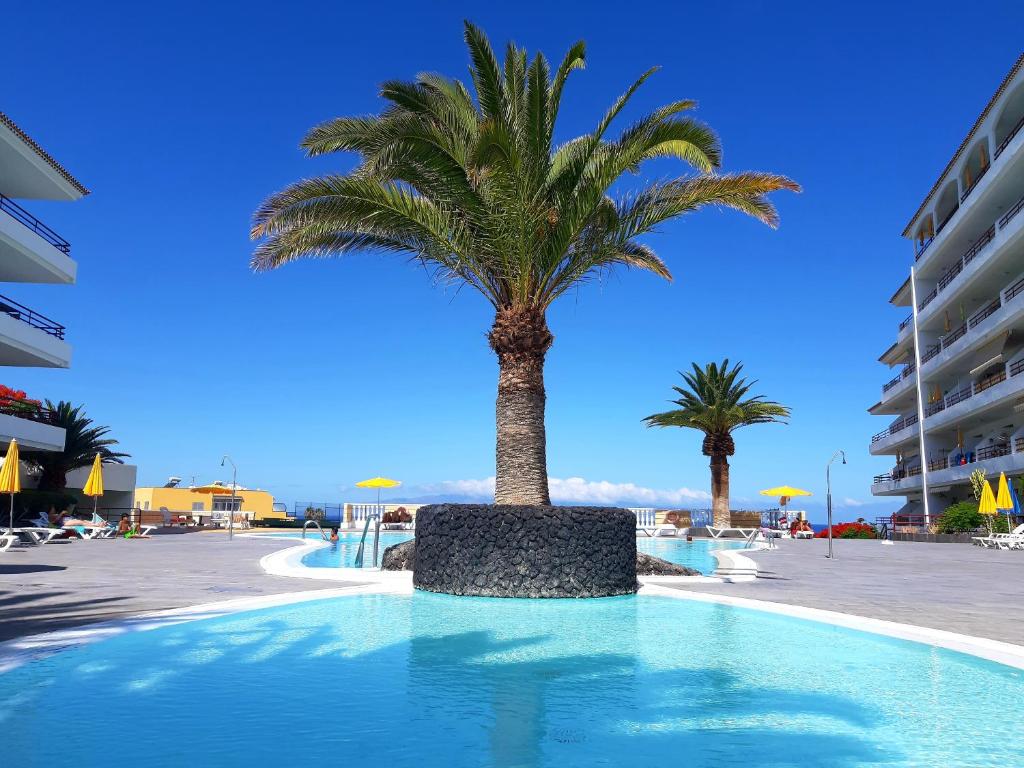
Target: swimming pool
694 554
432 680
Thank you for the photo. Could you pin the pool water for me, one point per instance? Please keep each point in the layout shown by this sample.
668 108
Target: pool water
432 680
694 554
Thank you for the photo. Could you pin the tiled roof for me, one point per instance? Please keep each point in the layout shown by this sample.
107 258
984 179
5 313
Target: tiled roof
5 120
963 144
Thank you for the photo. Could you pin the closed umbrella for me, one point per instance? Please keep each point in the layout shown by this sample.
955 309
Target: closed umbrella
1016 503
94 485
10 478
987 505
1003 499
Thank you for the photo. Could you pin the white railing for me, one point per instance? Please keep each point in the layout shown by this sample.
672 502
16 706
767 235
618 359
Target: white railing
358 513
645 516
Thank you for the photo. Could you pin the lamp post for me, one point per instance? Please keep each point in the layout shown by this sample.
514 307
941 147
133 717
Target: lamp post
828 495
234 491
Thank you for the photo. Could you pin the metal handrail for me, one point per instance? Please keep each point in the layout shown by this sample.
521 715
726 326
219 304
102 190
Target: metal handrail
974 183
945 221
30 317
376 540
18 213
1009 137
985 313
306 524
1011 213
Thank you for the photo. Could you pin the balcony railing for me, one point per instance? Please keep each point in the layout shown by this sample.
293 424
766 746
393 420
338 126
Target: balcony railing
26 315
945 221
1017 367
1009 137
1014 289
890 384
885 478
953 335
930 352
928 299
922 246
990 381
992 452
1018 445
936 464
906 322
25 410
973 184
984 313
936 407
11 208
1011 213
958 397
897 426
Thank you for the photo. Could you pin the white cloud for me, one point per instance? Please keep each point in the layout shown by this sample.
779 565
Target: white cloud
581 490
848 502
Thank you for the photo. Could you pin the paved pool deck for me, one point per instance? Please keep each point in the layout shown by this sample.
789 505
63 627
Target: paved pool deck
954 587
65 584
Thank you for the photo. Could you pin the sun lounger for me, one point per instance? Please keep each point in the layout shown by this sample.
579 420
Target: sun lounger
43 524
745 533
666 530
998 540
38 536
6 540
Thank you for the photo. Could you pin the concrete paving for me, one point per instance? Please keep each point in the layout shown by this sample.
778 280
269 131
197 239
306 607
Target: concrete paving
69 583
955 587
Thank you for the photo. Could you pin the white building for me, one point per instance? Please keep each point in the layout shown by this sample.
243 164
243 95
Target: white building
30 252
957 399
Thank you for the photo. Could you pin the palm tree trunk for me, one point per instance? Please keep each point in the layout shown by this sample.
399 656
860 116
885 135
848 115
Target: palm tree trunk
521 339
720 490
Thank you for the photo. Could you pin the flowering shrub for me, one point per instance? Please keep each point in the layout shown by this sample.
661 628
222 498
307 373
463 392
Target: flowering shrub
16 402
849 531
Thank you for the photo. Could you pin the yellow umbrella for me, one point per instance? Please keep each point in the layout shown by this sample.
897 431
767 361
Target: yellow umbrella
94 485
378 483
217 489
785 493
1003 499
987 505
10 479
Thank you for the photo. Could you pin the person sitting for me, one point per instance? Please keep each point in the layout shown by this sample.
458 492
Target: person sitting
794 528
804 530
334 534
129 530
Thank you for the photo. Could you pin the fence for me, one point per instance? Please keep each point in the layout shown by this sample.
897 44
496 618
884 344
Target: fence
320 511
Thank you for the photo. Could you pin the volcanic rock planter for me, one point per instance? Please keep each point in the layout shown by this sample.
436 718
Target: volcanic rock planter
525 551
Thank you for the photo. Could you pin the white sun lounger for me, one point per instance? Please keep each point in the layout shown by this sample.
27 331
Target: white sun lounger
666 530
746 533
993 541
6 540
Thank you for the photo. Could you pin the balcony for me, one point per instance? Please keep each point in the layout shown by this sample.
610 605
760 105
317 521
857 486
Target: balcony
11 208
21 312
897 426
29 339
31 252
30 425
907 370
1006 142
974 183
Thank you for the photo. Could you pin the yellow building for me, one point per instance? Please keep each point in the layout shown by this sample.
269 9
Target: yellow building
256 504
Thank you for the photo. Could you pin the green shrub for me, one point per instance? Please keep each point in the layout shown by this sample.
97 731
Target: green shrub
961 518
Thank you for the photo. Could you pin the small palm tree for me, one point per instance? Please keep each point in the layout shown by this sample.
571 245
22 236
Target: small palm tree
476 189
82 441
715 402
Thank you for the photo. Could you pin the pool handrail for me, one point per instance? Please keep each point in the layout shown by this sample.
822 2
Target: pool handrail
305 525
362 540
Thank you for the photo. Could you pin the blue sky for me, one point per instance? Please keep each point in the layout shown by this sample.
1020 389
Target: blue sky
182 117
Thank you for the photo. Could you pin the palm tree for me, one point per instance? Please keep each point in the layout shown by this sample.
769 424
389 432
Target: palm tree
82 441
476 190
715 401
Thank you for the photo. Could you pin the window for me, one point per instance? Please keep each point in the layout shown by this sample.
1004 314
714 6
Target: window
227 504
197 506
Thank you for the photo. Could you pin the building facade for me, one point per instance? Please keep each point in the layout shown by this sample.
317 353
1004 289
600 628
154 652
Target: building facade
956 403
30 252
256 504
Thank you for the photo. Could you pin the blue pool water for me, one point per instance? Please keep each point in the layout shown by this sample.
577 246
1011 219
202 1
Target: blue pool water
694 554
431 680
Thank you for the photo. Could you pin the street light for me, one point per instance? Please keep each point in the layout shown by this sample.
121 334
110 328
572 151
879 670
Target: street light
234 486
828 495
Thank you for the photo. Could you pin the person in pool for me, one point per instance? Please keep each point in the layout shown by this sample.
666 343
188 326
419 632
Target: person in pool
334 534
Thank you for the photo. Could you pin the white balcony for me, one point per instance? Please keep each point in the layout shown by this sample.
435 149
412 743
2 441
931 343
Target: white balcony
30 434
30 252
29 340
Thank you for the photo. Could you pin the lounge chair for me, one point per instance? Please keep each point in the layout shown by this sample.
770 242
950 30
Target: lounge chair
996 540
43 524
666 530
6 540
745 533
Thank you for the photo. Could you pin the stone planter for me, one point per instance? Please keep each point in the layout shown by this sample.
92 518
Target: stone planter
525 551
